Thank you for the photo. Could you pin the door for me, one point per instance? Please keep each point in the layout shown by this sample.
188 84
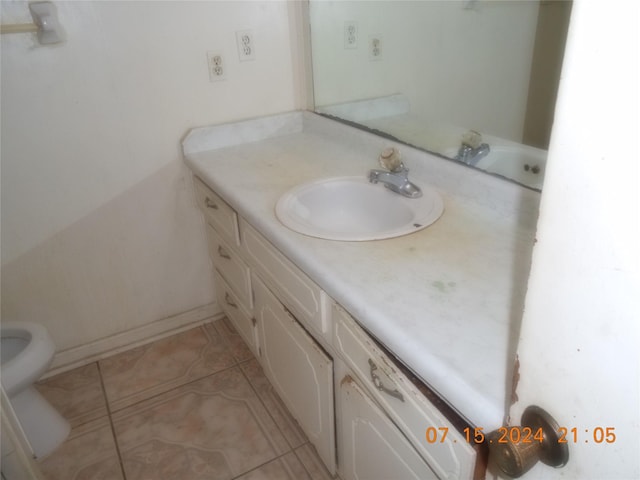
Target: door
371 446
299 370
579 342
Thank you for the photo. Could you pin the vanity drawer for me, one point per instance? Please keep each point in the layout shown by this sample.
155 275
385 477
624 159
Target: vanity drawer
297 292
231 266
217 212
236 312
450 456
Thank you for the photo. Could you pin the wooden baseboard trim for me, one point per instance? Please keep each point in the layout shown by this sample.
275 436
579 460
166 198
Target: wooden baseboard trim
84 354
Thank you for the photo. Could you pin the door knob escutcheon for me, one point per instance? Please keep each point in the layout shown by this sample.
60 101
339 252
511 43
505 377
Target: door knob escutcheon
514 455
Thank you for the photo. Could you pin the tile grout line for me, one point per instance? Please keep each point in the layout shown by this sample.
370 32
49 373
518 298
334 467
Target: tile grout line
236 363
301 462
291 448
118 410
239 364
113 430
268 462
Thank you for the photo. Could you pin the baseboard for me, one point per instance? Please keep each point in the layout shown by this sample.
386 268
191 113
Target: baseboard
105 347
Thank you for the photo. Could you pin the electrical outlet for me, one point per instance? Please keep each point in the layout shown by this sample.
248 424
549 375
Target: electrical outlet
246 46
217 68
375 47
350 35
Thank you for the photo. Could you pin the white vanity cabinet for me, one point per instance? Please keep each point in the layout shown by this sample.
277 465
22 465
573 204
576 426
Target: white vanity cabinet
365 418
246 274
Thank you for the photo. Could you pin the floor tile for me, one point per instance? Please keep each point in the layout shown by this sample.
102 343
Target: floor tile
88 454
239 348
76 394
312 462
287 467
149 370
193 406
213 428
288 426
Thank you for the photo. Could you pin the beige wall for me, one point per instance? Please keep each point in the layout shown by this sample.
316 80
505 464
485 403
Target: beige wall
468 67
551 36
99 228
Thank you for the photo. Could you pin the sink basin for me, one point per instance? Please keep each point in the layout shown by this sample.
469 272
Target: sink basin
522 163
353 209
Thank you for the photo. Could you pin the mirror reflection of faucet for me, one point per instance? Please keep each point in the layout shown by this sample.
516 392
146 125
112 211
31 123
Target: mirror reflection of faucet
472 150
396 178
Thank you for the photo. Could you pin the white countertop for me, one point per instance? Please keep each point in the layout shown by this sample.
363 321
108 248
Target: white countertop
447 300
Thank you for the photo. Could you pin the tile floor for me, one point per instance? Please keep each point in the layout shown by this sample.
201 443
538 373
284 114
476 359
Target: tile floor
192 406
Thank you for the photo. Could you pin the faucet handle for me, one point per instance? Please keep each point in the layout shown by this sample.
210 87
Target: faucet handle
391 159
472 139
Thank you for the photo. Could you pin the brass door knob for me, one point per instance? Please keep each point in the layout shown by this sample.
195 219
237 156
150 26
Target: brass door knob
515 450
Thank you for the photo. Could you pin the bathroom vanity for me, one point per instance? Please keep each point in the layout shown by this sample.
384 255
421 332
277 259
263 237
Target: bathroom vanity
383 351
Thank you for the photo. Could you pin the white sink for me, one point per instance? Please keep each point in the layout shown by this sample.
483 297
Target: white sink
521 163
353 209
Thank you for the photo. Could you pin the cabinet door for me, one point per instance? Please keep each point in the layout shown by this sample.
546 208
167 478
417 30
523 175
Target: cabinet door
371 446
299 370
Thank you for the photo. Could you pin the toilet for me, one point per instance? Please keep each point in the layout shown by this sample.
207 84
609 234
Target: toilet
27 351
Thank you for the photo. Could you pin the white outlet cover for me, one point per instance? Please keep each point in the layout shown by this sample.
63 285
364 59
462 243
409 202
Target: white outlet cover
350 35
216 66
246 45
375 47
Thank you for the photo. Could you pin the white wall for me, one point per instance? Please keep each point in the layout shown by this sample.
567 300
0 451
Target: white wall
578 350
457 66
100 233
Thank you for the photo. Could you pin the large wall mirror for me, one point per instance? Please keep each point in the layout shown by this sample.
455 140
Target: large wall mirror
471 80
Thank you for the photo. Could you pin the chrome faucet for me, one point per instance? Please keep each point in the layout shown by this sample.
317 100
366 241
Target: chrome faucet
472 150
396 178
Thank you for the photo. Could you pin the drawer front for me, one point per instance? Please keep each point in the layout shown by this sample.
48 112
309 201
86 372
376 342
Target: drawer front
236 312
217 212
232 268
298 293
450 456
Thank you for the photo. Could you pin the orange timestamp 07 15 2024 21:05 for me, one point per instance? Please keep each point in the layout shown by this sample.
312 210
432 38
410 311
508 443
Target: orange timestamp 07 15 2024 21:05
476 435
